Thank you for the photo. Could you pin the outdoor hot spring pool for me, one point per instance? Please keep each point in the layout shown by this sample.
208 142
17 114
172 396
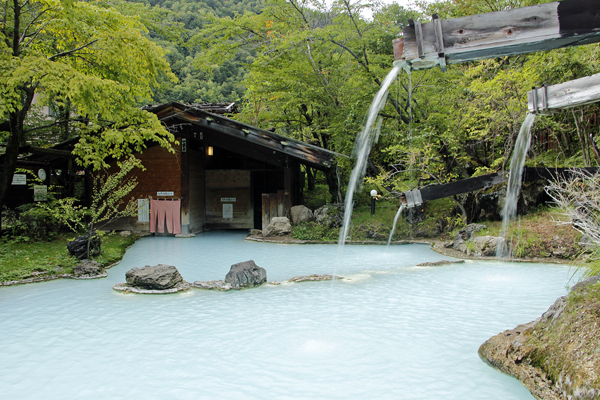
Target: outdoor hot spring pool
394 331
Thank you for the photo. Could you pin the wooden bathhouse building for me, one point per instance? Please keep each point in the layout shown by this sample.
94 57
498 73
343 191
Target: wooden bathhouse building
223 174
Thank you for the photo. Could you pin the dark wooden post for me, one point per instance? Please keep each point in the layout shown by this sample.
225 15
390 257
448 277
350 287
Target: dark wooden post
273 205
288 185
266 217
281 210
185 187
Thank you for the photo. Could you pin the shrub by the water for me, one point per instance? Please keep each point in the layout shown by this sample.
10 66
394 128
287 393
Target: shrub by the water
314 231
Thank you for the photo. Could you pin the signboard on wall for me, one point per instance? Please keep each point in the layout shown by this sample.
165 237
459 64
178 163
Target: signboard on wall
19 179
40 193
143 210
227 211
165 193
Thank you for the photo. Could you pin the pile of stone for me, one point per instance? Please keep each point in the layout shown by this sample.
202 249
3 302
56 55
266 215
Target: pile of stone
480 246
330 215
156 279
314 278
89 269
242 275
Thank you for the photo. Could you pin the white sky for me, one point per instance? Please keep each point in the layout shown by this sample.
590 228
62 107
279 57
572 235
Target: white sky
403 3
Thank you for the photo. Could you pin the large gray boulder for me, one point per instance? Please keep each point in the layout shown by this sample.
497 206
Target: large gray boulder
301 214
246 274
464 235
330 215
155 277
88 268
79 246
486 246
278 226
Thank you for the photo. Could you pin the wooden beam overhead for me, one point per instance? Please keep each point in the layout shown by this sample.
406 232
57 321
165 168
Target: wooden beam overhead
41 150
503 33
578 92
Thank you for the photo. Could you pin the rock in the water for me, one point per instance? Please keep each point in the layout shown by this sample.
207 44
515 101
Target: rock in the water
213 285
246 274
314 278
278 226
156 277
79 246
441 262
301 214
88 267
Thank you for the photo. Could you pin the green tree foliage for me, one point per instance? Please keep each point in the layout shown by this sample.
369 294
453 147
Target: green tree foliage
181 20
315 69
465 121
89 61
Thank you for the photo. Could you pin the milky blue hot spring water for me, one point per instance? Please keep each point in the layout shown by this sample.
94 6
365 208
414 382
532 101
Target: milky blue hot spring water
390 330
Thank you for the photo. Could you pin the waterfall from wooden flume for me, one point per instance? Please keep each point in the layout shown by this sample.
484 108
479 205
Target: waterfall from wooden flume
362 147
513 188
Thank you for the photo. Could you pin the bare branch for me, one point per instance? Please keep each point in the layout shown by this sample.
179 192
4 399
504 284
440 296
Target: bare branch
579 200
33 21
69 52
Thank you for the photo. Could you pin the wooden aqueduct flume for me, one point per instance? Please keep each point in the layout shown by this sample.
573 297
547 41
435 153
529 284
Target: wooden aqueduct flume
504 33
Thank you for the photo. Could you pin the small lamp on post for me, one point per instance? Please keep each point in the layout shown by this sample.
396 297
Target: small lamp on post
373 197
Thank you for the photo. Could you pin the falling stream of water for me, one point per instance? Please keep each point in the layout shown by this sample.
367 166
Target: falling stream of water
513 187
394 225
362 147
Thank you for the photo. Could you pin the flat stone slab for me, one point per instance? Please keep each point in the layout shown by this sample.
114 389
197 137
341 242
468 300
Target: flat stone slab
441 262
313 278
125 287
103 274
212 285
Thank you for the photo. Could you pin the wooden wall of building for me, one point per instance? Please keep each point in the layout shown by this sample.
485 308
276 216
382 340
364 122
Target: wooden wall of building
162 174
196 191
229 202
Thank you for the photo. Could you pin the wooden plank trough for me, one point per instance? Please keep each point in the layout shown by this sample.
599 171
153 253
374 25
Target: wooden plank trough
549 99
417 197
517 31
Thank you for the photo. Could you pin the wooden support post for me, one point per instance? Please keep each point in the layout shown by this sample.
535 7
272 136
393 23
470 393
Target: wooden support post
503 33
574 93
280 203
289 184
273 205
185 188
266 211
287 201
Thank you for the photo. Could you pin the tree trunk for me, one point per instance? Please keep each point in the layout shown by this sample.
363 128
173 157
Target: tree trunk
333 183
16 136
310 178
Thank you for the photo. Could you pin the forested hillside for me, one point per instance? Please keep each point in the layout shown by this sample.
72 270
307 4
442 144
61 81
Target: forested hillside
180 21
